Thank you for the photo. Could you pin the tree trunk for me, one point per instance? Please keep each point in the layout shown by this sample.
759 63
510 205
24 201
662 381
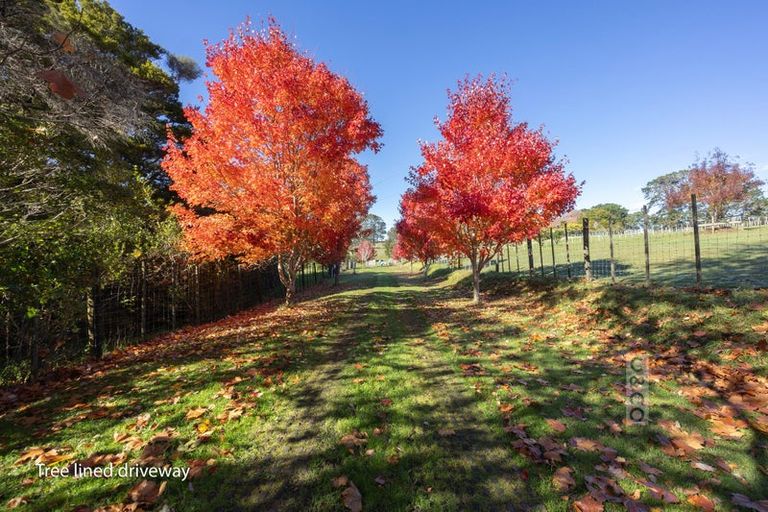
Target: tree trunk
426 269
34 348
143 304
475 282
287 267
94 340
8 335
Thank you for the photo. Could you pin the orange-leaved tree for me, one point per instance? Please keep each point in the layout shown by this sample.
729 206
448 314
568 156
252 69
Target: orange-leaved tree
268 171
346 217
416 238
723 186
488 181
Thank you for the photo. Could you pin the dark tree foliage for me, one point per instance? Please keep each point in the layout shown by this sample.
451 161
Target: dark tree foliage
84 104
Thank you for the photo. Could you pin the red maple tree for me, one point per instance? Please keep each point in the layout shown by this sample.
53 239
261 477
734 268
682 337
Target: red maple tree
268 171
365 251
720 185
488 181
416 237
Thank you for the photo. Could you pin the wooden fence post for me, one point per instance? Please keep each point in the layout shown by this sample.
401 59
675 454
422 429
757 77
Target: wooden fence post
143 306
541 254
647 250
552 245
587 259
34 347
610 243
517 258
567 250
696 246
174 292
530 257
197 293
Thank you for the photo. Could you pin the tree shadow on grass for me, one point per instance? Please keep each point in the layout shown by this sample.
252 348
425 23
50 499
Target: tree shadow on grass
288 460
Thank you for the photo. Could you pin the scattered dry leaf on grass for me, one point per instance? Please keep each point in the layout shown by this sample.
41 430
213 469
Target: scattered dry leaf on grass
587 504
17 502
701 502
563 479
556 425
340 481
746 502
353 440
45 456
352 498
146 491
195 413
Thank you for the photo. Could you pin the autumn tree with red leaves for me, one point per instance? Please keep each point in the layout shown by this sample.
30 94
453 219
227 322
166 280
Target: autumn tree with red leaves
268 171
488 181
416 238
721 185
365 251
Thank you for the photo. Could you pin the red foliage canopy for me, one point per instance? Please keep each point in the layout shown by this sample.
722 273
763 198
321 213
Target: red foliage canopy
268 171
718 183
416 238
365 251
488 182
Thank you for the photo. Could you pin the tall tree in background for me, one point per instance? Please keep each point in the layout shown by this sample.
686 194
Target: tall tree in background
390 241
605 213
374 228
722 186
488 181
269 164
660 194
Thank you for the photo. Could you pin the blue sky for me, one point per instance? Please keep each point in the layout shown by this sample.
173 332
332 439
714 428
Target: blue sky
630 89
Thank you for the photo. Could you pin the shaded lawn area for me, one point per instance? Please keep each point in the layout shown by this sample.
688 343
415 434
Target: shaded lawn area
392 387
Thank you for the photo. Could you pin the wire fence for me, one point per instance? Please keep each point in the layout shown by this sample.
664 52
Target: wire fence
728 254
154 296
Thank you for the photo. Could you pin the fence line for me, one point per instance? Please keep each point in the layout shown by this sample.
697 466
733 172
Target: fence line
154 296
728 254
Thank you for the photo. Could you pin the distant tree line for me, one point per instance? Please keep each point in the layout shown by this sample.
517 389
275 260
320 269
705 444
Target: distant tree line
725 188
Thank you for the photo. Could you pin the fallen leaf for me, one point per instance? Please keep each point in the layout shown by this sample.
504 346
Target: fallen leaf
353 440
701 502
555 425
587 504
340 481
17 502
195 413
146 492
746 502
702 466
563 479
352 498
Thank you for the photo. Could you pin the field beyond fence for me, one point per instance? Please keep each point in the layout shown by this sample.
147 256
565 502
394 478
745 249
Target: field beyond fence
732 254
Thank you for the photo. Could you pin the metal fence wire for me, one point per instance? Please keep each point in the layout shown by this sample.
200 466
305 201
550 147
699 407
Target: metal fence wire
728 254
154 296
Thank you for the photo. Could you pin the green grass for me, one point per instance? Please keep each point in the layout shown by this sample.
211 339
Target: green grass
730 258
382 355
